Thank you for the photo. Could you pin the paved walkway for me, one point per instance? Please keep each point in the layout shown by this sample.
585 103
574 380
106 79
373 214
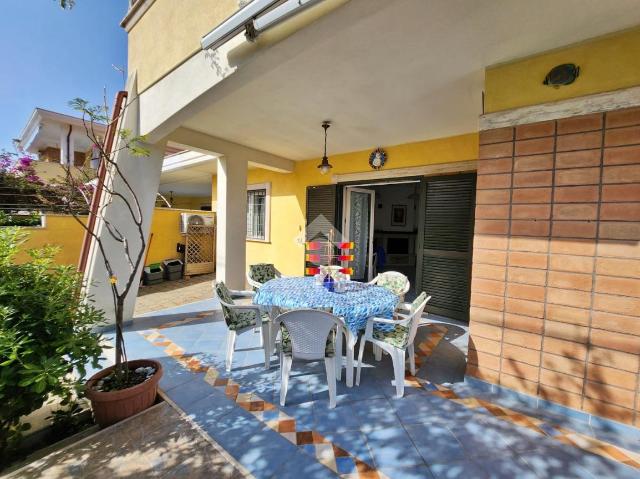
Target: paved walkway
442 428
170 294
158 443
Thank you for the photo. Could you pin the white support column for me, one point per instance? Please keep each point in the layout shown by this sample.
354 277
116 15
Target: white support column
231 218
143 176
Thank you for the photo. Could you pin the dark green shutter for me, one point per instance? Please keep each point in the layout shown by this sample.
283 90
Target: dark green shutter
445 243
321 201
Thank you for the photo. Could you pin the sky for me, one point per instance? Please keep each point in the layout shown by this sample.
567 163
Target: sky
50 56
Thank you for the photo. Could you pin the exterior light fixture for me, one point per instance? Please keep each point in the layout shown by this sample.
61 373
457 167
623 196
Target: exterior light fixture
564 74
325 166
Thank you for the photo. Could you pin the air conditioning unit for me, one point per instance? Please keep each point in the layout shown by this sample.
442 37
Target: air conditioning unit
187 219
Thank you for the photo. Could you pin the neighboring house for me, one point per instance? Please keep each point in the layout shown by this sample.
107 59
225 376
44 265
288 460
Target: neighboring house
56 139
512 201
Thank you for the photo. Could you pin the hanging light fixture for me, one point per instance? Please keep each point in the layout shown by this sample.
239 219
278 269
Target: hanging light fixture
325 166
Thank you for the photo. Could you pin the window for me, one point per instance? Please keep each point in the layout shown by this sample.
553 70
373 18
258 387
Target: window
258 199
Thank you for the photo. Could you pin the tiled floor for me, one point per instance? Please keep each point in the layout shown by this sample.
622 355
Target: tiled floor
434 431
170 294
157 443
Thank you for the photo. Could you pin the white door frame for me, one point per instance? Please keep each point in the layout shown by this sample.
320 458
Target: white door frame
346 215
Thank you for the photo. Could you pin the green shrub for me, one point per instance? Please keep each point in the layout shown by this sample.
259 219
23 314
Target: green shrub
19 220
45 335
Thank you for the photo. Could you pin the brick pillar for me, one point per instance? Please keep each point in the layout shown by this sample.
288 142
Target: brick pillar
555 300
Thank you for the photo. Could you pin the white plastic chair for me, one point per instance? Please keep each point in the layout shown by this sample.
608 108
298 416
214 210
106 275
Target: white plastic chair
398 284
242 318
394 281
397 341
308 334
260 273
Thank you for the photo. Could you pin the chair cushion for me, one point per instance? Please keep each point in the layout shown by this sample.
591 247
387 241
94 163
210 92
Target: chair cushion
230 315
246 319
329 351
262 272
235 319
417 302
395 283
398 336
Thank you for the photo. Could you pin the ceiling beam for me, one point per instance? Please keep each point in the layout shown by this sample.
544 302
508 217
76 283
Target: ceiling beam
211 145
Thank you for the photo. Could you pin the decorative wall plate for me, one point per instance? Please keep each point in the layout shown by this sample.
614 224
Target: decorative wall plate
377 158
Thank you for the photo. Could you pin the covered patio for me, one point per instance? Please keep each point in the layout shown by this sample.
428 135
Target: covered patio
538 374
444 427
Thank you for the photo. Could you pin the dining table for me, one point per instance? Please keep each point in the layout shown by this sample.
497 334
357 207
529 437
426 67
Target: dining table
352 301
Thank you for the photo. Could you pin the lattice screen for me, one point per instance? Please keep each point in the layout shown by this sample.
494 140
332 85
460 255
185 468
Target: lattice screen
200 251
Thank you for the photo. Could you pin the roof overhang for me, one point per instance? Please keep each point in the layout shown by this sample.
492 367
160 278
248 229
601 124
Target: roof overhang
44 127
385 73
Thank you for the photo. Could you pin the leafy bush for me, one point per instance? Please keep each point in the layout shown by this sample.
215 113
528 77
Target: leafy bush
46 337
19 220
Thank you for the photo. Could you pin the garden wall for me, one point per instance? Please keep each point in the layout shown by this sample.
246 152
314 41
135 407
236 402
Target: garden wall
65 232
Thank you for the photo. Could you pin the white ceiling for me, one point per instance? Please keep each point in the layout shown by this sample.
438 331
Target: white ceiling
389 72
190 181
188 173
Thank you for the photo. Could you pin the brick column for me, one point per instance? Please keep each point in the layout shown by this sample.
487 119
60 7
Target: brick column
555 300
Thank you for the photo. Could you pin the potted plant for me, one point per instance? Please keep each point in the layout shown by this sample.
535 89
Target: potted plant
127 387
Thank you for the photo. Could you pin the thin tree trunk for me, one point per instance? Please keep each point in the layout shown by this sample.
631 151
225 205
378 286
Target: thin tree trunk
119 312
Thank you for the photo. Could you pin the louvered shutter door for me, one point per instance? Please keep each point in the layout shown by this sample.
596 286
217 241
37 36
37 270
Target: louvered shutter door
321 201
447 244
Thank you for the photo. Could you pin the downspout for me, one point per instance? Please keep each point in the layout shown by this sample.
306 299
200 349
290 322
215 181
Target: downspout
69 145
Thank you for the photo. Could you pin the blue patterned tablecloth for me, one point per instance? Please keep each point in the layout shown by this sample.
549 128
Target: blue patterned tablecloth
359 301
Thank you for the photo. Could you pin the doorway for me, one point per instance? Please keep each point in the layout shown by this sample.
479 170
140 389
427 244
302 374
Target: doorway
419 226
382 220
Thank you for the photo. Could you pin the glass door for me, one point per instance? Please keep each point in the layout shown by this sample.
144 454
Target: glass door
359 206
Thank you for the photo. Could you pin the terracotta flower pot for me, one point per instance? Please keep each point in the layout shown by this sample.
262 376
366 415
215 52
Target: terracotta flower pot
113 406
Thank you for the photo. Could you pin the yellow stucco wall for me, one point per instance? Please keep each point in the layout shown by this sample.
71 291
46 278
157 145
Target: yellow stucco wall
169 33
166 234
606 63
64 232
189 202
288 192
60 230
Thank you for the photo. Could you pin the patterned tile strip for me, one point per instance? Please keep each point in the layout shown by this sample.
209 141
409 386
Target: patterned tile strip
330 455
580 441
566 436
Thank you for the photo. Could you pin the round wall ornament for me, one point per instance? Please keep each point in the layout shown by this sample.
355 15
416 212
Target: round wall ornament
377 158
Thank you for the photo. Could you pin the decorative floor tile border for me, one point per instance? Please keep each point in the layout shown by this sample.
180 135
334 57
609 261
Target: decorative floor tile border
332 456
341 461
563 435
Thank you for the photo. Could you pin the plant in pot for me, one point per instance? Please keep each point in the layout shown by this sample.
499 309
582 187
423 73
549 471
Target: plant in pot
47 336
127 387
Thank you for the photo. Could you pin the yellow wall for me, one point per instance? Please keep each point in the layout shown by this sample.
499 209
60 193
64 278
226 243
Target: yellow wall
64 232
606 63
60 230
166 234
189 202
288 192
55 171
169 33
